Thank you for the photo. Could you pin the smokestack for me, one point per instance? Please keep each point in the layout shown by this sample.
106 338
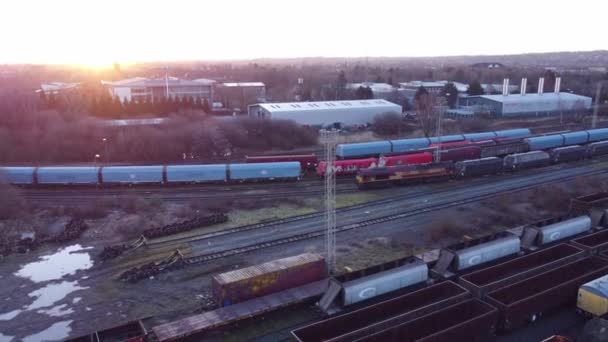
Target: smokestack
505 87
524 82
558 84
541 85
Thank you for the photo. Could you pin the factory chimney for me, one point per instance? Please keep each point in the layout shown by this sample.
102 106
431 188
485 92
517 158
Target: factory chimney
524 82
505 87
558 84
541 85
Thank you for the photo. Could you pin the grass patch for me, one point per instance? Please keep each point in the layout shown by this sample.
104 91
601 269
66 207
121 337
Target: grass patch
372 252
242 217
356 198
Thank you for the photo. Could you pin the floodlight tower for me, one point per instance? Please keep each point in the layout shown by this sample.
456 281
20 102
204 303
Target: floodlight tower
329 138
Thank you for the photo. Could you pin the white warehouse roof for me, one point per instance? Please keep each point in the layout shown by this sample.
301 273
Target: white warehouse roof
546 102
325 112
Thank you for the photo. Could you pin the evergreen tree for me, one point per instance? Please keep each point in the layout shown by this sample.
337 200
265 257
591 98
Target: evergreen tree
94 106
43 99
475 88
199 103
206 107
117 107
126 106
364 93
175 102
421 91
450 92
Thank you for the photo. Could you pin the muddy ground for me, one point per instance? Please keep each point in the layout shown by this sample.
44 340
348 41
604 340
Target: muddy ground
70 293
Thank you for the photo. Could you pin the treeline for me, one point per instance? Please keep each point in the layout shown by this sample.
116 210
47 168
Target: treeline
104 106
49 137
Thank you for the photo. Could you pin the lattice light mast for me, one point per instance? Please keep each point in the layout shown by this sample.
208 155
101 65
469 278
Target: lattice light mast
329 138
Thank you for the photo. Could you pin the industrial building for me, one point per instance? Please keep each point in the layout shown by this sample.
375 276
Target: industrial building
357 112
380 90
522 104
238 96
141 88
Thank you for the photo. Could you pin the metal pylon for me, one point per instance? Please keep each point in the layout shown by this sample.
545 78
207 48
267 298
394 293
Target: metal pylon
329 138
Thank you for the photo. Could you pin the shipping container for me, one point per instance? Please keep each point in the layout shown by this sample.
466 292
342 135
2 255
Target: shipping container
196 173
271 277
132 174
479 167
576 138
66 175
384 282
18 175
593 243
472 320
307 161
593 297
347 166
461 153
598 134
380 316
568 154
597 149
486 252
264 171
545 142
446 139
359 150
503 149
498 276
405 145
480 136
513 133
406 159
528 299
527 160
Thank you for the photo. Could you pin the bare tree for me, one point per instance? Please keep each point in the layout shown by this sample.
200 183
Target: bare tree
427 113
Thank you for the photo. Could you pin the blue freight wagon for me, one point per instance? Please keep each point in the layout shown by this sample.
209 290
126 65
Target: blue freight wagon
132 174
404 145
598 134
18 175
368 149
197 173
264 171
545 142
65 175
576 138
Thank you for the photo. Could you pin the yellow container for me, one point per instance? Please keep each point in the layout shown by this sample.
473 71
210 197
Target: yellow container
593 297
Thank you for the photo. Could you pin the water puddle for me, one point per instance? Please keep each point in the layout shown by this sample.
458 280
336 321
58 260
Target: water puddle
76 300
9 315
57 311
5 338
65 261
52 293
55 332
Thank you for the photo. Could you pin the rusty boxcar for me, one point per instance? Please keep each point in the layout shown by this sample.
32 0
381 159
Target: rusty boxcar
274 276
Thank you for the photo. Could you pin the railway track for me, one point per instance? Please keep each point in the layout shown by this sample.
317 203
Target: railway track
293 219
520 185
344 228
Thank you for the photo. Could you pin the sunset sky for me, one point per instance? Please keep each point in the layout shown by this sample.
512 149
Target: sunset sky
99 32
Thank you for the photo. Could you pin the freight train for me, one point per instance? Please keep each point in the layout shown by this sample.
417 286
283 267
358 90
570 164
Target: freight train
153 174
377 148
461 162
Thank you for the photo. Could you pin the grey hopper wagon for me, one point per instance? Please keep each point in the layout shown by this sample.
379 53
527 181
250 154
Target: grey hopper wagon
597 149
479 167
568 154
384 282
473 253
526 160
492 278
553 230
383 315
